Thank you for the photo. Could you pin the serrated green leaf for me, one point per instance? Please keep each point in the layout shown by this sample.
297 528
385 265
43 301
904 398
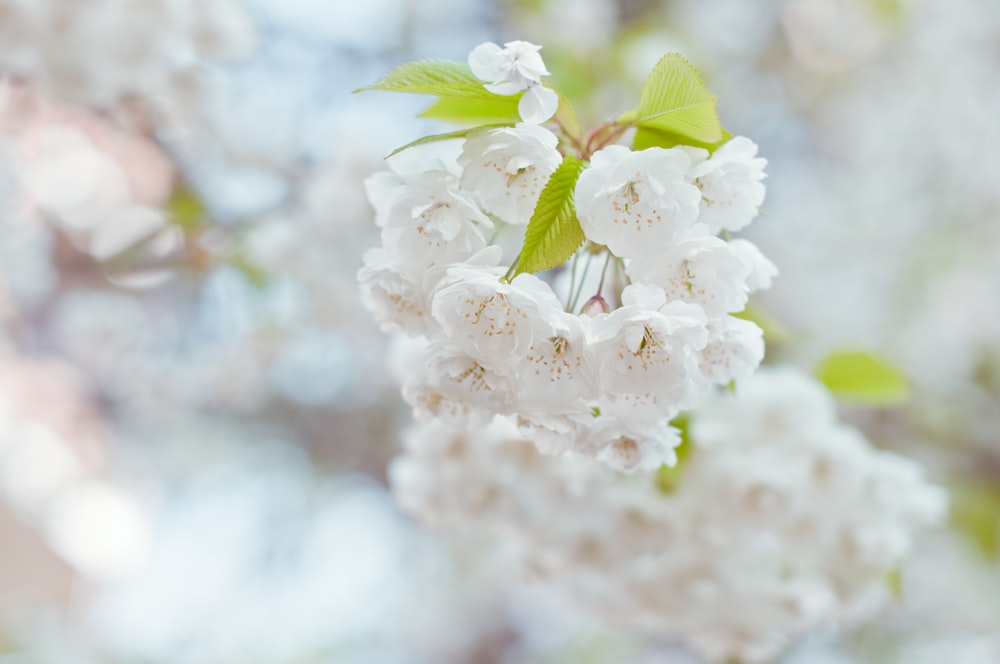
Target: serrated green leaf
433 77
668 478
554 232
469 110
675 100
646 137
863 378
461 133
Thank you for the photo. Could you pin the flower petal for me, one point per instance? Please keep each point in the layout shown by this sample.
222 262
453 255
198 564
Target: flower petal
538 104
488 63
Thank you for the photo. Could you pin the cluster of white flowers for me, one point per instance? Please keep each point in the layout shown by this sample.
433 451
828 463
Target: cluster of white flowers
515 68
780 521
603 380
98 52
99 185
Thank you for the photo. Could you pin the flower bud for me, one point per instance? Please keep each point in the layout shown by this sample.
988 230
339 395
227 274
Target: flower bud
595 305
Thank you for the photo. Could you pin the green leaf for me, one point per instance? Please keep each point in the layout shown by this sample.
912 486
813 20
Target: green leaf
668 478
554 232
467 110
894 582
863 378
253 273
433 77
975 511
646 137
890 11
774 331
186 209
461 133
675 100
566 117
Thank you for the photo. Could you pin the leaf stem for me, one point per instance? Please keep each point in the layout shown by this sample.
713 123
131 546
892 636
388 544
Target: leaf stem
572 280
621 264
583 279
573 139
604 271
496 233
512 270
602 136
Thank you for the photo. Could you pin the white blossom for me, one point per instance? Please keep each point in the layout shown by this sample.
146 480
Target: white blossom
393 292
512 69
734 350
557 375
780 522
730 182
698 268
459 387
425 217
499 320
439 466
636 203
602 380
628 446
646 354
506 169
762 270
100 52
399 294
102 186
620 443
760 414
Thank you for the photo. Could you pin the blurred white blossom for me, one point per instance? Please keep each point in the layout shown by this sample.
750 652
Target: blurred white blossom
782 520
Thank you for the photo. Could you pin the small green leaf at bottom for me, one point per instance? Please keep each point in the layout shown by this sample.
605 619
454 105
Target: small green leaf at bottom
975 513
668 478
894 582
554 232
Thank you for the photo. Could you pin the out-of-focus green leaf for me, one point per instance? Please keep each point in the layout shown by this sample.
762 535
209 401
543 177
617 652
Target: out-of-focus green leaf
253 273
894 582
774 331
186 209
863 378
975 511
576 76
668 478
890 11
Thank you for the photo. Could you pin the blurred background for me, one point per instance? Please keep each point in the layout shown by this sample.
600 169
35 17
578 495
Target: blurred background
195 411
